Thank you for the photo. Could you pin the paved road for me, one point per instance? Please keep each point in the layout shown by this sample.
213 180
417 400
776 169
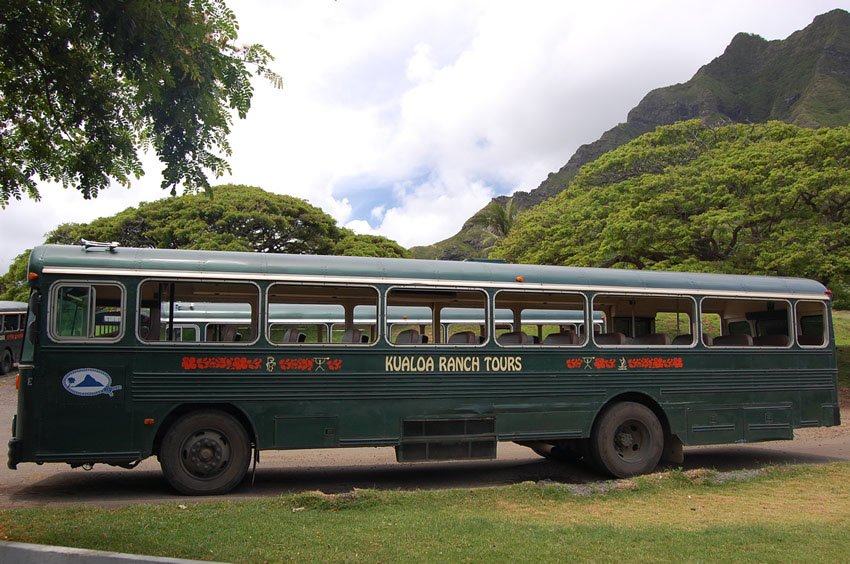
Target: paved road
341 470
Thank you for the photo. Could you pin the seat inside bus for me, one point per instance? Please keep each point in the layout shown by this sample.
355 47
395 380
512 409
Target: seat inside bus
408 337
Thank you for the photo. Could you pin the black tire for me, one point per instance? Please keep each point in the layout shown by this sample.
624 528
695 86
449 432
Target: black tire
205 453
6 362
627 439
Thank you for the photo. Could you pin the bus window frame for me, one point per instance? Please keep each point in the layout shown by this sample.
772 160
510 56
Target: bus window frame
799 326
202 341
789 313
8 315
329 343
584 340
53 292
384 322
609 323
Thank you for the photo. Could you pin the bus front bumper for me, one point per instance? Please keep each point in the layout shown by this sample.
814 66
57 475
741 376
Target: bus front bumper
14 447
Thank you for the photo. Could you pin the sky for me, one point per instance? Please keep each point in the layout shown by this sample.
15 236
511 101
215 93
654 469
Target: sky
404 118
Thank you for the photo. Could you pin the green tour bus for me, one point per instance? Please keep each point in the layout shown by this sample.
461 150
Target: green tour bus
205 358
11 333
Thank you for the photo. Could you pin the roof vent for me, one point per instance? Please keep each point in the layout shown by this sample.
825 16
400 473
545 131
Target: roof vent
89 245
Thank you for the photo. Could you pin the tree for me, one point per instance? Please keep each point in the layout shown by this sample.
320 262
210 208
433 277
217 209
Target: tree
85 84
13 284
353 245
227 218
760 199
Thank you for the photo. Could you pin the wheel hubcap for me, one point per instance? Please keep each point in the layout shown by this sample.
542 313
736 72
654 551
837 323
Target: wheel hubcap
205 454
629 440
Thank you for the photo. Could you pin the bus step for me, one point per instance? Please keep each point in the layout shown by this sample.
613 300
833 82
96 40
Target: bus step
446 450
469 438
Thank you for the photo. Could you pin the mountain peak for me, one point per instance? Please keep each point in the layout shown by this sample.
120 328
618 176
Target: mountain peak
803 79
836 16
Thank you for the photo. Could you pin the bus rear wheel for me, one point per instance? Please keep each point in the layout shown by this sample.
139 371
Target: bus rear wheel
627 440
205 453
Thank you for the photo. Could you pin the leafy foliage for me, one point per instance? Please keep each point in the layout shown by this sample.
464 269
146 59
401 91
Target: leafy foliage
354 245
230 218
769 199
84 85
13 284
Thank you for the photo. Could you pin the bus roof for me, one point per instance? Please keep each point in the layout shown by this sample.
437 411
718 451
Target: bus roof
60 259
8 306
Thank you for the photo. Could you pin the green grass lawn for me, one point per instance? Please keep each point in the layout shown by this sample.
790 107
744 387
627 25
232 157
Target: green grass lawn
781 515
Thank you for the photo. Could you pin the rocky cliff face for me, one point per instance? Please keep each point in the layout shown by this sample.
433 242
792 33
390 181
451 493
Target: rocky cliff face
803 80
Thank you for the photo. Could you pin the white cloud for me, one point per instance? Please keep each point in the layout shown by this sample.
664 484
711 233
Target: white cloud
404 118
432 209
378 212
421 65
361 227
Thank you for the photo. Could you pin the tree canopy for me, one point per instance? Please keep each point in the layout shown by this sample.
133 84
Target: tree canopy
229 218
357 245
13 284
85 84
757 199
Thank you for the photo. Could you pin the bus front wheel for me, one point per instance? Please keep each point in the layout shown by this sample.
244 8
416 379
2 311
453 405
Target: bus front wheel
6 362
205 453
627 440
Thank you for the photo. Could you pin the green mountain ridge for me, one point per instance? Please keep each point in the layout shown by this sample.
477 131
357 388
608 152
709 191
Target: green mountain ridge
803 80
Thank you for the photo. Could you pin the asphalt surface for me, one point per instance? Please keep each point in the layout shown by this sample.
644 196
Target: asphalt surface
343 470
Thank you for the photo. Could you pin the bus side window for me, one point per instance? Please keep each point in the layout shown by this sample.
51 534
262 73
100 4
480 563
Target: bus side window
811 329
648 321
184 312
746 322
11 322
311 314
88 311
419 316
544 319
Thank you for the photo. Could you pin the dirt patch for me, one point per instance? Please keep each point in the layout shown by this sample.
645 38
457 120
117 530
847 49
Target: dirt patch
819 433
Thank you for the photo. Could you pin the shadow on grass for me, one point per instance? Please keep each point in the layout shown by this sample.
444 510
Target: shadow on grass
121 488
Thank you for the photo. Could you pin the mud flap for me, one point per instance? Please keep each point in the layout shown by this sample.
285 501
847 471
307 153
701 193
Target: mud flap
674 451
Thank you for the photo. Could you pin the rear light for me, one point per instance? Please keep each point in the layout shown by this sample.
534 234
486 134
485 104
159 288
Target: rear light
17 381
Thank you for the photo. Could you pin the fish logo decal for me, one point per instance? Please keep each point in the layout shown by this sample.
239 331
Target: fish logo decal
88 382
